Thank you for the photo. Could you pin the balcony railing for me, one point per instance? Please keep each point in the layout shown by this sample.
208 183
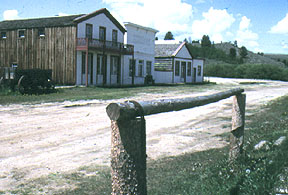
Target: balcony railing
84 44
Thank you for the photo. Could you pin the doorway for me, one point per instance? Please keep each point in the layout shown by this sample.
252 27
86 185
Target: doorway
183 72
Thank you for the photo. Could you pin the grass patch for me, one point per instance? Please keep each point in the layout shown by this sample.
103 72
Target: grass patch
207 172
88 93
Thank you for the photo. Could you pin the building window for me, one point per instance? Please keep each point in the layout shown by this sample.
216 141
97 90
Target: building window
21 33
199 71
3 35
114 37
131 63
114 65
41 32
102 33
177 68
189 69
148 68
140 68
89 31
83 62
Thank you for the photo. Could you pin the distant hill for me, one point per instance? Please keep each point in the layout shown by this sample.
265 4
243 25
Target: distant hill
252 58
278 57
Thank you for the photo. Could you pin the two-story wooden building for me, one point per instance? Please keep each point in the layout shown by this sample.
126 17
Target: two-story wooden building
80 49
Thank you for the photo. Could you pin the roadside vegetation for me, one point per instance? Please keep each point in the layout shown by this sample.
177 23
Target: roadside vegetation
209 172
250 71
88 93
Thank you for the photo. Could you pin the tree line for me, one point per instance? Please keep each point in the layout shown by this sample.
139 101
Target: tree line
234 66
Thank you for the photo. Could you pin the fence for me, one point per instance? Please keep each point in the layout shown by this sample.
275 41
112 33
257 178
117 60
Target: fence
128 140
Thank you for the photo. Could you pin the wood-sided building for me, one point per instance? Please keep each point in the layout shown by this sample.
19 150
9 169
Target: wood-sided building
80 49
174 63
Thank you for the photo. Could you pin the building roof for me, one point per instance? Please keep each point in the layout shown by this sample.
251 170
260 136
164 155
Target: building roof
139 26
101 11
58 21
38 22
168 50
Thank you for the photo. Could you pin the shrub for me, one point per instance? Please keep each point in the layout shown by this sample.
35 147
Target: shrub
252 71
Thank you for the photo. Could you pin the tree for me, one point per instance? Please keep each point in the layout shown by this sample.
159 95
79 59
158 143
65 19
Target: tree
169 36
235 43
243 52
232 53
205 41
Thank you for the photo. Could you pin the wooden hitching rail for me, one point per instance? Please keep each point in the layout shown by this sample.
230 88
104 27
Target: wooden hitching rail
128 140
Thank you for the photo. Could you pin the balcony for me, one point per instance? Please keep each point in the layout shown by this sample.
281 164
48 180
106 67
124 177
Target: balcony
95 44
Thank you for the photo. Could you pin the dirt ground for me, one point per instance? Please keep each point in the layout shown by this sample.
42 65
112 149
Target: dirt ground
39 139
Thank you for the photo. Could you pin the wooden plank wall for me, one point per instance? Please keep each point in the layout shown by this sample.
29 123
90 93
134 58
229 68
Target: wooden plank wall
56 51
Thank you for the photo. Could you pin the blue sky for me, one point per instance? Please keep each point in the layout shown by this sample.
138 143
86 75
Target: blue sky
260 25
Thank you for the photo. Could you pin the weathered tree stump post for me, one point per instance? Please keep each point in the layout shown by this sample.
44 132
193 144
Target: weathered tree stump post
128 151
238 123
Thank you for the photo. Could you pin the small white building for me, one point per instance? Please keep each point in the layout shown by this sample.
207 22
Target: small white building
141 64
174 64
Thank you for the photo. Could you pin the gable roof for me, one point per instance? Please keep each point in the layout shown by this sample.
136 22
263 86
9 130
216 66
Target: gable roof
39 22
169 50
58 21
101 11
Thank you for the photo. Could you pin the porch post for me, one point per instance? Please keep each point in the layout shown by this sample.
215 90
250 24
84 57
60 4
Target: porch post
133 69
86 67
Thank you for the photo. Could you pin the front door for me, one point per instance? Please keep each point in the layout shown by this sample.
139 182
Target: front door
183 72
115 70
101 75
194 75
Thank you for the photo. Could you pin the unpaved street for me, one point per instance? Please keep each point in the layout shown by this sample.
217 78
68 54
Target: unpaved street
39 139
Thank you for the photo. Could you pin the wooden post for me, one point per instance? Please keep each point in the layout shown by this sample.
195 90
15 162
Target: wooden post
86 63
128 155
238 123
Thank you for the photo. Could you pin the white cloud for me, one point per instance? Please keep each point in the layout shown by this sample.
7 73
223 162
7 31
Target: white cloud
164 15
10 15
62 14
284 45
246 37
281 27
244 24
215 23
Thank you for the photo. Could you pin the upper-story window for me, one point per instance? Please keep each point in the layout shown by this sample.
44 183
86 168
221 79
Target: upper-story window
114 36
102 33
21 33
41 32
89 31
3 35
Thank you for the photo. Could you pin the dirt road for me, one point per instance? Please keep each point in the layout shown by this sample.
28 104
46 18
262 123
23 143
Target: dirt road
36 140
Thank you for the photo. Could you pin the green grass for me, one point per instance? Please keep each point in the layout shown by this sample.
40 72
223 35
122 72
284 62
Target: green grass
88 93
207 172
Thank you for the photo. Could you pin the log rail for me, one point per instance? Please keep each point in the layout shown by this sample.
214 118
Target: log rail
128 140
